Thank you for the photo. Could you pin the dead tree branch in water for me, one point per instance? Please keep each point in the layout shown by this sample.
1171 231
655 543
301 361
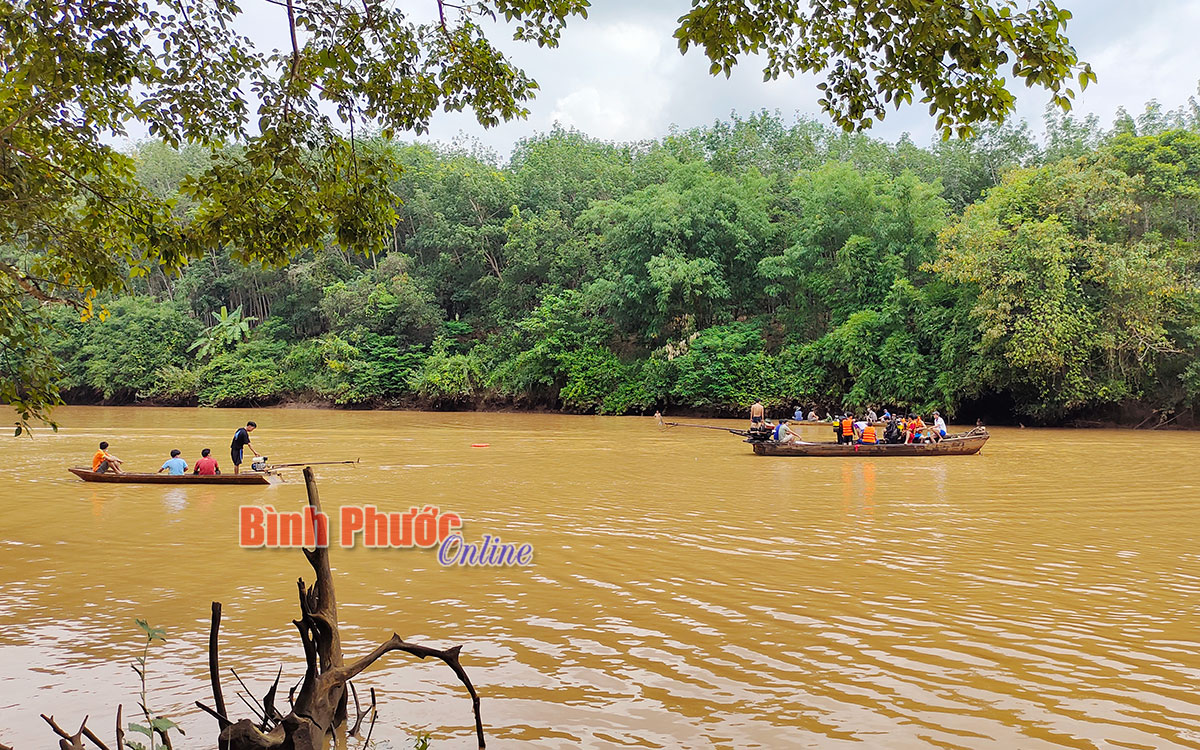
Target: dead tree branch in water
374 716
358 712
75 741
319 707
214 665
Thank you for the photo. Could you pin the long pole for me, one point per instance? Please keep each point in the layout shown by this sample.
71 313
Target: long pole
309 463
743 433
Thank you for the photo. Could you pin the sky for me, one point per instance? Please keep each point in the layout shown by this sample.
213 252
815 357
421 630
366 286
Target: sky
618 75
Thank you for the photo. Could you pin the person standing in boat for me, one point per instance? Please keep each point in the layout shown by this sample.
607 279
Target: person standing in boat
871 417
175 466
758 415
103 461
206 465
241 440
758 418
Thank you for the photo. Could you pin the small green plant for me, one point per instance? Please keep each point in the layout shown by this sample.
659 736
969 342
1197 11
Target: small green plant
422 741
156 726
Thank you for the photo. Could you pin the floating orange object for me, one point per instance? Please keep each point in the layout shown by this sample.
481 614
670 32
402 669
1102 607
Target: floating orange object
480 445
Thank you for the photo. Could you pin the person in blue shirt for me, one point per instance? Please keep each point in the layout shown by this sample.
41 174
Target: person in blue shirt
174 465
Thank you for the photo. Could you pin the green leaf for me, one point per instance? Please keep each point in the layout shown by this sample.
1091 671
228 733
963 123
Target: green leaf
152 633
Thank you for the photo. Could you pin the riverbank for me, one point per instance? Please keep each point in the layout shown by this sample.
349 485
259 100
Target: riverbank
1128 416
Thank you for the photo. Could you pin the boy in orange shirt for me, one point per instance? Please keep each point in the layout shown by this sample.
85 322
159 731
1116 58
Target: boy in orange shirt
104 461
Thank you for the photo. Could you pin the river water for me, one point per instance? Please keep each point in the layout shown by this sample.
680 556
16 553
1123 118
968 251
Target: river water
684 593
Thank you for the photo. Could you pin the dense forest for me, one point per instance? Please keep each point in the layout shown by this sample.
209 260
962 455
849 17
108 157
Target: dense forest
1008 276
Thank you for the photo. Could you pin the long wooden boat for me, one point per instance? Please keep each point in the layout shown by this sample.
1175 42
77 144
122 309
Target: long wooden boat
953 445
251 477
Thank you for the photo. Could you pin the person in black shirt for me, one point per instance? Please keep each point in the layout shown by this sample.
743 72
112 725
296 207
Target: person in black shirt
891 433
241 439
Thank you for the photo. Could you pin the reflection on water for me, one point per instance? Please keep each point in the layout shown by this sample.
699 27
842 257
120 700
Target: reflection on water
685 593
174 499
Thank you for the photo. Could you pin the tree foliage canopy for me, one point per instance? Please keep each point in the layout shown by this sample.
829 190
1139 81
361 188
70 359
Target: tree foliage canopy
953 55
283 168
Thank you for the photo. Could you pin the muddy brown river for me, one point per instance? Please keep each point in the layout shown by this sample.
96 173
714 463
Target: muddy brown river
683 592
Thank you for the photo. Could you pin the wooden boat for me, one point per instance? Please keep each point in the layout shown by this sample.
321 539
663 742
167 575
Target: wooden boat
952 445
252 477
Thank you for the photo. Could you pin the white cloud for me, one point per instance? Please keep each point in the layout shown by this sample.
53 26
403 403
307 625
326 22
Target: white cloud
1146 52
622 84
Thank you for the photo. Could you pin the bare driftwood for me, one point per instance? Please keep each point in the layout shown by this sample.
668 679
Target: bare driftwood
214 671
318 710
75 741
375 715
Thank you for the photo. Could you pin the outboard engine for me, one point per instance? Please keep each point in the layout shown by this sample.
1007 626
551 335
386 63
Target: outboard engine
259 463
758 434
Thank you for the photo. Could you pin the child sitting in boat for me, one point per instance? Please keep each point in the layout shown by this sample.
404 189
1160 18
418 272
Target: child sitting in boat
104 461
174 465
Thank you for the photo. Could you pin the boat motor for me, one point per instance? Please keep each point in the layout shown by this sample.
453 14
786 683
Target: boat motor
259 463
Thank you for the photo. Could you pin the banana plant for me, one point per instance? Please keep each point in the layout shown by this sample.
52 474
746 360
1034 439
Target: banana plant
227 331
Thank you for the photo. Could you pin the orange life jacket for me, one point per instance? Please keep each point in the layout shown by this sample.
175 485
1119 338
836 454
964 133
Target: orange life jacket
868 434
848 426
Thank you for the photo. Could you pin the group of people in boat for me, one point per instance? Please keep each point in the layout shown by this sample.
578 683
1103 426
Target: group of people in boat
104 462
871 429
889 429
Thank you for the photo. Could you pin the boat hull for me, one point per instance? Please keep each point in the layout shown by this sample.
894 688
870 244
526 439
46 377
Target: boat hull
247 478
964 445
